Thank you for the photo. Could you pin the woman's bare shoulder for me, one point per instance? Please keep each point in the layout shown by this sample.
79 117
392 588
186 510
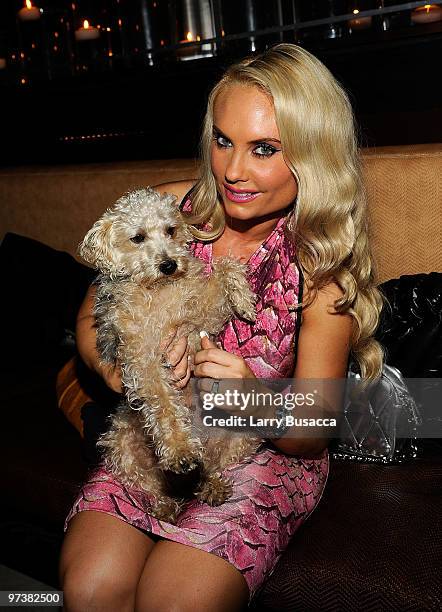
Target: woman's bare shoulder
178 188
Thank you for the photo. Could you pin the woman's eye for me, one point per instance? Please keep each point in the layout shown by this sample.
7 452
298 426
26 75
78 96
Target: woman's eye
138 238
221 142
267 150
171 231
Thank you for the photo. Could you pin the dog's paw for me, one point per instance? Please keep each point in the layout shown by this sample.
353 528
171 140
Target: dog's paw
181 462
180 466
214 490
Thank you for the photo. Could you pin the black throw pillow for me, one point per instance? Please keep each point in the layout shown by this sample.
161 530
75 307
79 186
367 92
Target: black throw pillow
42 291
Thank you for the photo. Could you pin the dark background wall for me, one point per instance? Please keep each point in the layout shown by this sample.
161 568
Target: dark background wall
393 79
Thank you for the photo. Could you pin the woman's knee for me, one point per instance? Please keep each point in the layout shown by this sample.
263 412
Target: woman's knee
101 562
179 578
86 589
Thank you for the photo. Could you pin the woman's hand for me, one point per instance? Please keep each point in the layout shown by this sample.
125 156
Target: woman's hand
176 354
212 361
213 364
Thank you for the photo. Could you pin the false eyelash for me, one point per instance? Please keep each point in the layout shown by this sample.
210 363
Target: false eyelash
271 150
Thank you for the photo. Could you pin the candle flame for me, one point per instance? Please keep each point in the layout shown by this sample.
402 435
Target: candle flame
189 36
28 4
86 24
426 7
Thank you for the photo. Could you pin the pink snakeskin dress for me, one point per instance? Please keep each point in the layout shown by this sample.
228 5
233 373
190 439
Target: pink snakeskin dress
273 493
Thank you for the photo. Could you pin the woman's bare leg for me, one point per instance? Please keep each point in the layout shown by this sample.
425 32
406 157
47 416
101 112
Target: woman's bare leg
101 562
185 579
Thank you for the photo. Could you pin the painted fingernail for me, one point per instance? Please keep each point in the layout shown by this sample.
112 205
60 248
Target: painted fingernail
203 334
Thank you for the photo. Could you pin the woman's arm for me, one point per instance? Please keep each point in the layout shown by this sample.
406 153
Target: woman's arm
323 351
86 336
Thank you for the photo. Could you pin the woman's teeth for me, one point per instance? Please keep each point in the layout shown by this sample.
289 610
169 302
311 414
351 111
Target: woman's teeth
241 197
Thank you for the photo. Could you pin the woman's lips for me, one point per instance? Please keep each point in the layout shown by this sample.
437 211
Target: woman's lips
240 197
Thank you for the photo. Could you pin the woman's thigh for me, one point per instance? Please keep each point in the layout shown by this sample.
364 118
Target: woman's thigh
101 561
181 578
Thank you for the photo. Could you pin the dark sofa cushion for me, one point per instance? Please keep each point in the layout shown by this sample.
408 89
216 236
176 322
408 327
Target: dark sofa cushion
372 544
41 453
42 292
43 466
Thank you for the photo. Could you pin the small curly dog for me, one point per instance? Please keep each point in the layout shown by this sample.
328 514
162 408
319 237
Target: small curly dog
149 286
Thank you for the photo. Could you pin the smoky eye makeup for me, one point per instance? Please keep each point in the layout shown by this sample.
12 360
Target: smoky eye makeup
268 148
216 136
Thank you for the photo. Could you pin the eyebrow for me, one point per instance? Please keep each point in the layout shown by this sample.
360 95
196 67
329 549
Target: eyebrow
221 133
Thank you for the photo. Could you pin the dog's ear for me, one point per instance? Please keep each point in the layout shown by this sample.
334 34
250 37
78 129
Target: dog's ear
96 247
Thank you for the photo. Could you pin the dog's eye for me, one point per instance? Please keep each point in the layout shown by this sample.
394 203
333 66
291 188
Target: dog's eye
171 231
138 238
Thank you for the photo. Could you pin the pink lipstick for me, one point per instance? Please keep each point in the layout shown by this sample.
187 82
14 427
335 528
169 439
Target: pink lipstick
236 195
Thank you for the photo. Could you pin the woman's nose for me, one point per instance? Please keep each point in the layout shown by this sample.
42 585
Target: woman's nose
236 168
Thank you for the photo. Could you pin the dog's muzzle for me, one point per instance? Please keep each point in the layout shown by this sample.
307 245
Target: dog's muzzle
168 267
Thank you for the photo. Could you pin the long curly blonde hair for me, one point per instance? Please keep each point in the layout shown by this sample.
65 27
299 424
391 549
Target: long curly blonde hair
329 220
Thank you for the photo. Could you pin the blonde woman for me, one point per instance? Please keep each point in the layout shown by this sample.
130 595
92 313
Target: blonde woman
281 190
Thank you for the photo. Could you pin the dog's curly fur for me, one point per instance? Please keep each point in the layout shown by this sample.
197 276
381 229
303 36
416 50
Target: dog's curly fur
149 286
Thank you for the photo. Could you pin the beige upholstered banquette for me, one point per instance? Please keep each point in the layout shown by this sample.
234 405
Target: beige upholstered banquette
57 204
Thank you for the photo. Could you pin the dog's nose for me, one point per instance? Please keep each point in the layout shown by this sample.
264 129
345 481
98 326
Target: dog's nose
168 267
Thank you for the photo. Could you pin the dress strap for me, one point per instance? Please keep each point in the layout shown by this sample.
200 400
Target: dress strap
186 198
298 312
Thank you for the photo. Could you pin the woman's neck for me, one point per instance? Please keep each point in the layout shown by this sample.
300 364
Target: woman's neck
241 239
251 230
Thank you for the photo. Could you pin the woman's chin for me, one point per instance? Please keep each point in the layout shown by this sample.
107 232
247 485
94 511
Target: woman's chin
248 212
240 213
